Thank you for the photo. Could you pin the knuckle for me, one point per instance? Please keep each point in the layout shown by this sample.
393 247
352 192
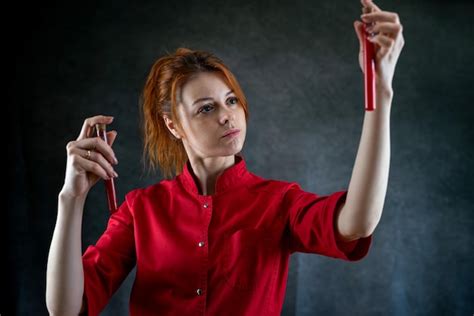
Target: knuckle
106 163
96 141
100 159
70 145
96 169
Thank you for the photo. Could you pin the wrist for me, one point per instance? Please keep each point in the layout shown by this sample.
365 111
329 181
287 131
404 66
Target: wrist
65 196
385 94
383 101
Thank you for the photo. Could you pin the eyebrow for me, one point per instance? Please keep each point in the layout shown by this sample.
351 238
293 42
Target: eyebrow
209 98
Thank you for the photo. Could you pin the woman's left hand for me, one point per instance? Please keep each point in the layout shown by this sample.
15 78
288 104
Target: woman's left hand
388 42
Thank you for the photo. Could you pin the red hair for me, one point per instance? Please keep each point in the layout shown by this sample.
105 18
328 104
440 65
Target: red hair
166 77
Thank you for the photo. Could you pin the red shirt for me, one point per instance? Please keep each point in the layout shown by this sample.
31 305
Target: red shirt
221 254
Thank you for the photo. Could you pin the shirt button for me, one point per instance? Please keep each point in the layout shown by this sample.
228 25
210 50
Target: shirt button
201 244
199 292
205 205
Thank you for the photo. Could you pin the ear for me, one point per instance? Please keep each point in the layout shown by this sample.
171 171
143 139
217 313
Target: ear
170 125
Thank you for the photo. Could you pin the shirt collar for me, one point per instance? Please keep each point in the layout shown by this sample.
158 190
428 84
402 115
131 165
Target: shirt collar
229 178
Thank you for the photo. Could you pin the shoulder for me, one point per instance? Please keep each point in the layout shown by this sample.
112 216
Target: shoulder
156 190
275 186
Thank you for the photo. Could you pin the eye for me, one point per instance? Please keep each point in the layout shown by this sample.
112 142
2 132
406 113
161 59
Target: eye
207 106
235 99
204 108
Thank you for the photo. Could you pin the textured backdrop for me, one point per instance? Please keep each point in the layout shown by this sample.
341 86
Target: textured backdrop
297 63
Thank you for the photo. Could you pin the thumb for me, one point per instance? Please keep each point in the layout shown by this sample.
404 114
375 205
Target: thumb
111 137
359 29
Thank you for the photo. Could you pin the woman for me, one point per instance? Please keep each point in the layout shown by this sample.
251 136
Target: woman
214 238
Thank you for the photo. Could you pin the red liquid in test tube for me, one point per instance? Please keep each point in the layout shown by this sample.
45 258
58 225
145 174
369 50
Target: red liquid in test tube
109 184
369 72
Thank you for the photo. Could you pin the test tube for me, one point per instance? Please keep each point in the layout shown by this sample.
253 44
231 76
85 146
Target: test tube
369 72
109 184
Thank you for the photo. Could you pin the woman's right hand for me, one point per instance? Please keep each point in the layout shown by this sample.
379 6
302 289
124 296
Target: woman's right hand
89 158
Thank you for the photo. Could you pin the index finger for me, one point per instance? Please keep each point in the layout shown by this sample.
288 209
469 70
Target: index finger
89 124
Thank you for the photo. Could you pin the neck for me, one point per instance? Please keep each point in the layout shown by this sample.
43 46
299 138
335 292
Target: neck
207 170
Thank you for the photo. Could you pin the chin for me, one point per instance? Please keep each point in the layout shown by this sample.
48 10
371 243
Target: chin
230 151
229 148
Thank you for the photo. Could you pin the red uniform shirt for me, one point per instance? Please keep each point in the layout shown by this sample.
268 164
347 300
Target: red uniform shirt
221 254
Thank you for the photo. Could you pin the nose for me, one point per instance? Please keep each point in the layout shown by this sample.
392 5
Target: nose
227 114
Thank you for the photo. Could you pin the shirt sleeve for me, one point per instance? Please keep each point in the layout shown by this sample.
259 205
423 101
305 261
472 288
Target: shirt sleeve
312 225
107 263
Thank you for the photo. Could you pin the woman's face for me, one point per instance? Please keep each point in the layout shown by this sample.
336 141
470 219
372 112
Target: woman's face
207 110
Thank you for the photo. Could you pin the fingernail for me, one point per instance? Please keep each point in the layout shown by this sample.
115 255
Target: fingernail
116 161
116 174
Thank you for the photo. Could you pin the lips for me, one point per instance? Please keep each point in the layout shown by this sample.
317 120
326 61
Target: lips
231 131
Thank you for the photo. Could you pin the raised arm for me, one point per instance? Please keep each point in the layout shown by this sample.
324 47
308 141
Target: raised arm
362 210
89 159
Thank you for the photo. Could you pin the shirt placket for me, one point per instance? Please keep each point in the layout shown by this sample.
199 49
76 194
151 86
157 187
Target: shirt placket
206 207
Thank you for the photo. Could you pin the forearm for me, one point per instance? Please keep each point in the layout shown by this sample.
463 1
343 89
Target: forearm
368 185
65 275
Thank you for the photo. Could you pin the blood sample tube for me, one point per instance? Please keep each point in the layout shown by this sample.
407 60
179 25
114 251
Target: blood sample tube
109 184
369 72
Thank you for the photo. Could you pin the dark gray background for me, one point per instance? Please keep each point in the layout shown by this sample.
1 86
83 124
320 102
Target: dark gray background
297 63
